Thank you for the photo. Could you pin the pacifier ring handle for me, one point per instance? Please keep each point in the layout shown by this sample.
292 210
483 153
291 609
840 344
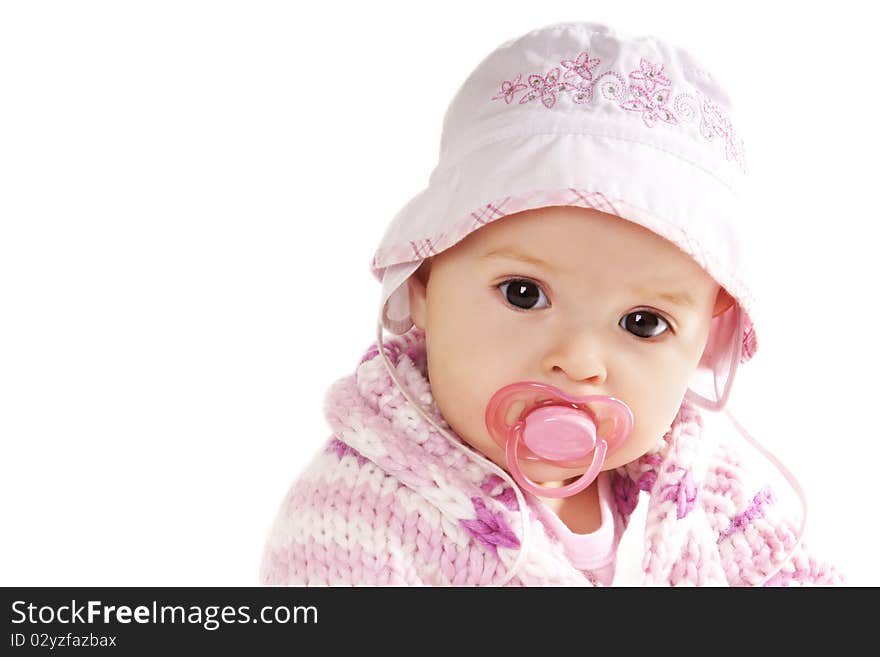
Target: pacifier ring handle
563 491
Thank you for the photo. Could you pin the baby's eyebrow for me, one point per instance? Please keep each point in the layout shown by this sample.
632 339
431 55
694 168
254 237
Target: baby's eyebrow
683 298
510 254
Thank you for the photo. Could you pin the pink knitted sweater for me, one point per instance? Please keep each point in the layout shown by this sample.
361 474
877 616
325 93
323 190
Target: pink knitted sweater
388 501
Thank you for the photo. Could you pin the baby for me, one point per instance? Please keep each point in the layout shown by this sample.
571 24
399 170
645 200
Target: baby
565 295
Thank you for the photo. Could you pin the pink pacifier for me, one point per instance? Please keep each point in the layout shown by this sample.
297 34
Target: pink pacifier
538 422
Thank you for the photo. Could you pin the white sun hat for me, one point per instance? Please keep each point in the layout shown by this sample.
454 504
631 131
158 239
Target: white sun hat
579 114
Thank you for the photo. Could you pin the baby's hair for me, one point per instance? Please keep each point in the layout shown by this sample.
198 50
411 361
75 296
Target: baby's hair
424 269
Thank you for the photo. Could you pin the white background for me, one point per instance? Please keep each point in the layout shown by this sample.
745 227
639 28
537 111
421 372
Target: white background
190 196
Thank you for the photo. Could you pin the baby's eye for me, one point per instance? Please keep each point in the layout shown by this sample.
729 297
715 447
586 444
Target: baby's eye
644 324
522 293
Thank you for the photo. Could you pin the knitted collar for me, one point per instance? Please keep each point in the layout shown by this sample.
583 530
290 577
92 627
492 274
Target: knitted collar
369 414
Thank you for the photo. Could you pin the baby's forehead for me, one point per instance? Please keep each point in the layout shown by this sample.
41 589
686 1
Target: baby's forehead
578 238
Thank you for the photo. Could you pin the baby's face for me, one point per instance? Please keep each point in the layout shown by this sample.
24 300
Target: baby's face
601 306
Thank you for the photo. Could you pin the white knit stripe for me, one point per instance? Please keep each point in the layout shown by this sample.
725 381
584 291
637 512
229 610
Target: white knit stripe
390 493
446 480
366 440
326 525
326 469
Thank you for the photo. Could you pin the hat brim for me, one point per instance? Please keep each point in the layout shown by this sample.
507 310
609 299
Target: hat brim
690 207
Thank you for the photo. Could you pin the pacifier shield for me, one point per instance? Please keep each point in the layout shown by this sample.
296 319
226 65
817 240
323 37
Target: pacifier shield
579 423
559 433
535 421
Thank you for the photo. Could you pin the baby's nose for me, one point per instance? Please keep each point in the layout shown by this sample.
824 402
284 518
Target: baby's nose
580 359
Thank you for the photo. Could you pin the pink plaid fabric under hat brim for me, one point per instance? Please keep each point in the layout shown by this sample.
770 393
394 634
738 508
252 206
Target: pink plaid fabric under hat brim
580 114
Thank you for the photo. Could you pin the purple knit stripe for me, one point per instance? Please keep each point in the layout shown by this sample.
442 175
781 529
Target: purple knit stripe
496 488
649 477
625 492
392 350
754 511
647 480
489 528
372 352
683 493
341 449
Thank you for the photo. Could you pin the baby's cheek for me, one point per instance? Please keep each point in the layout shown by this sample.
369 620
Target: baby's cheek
466 414
660 419
457 405
637 444
650 424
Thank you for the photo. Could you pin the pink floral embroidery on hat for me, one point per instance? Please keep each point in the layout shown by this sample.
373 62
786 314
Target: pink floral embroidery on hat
582 66
650 90
717 123
509 88
713 123
650 75
545 87
648 93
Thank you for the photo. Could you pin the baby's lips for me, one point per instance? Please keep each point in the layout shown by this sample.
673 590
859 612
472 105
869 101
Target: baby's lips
566 427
